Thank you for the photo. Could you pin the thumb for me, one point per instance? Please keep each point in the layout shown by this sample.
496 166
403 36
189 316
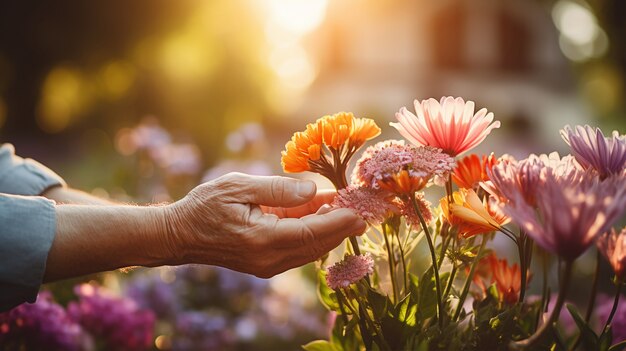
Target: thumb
278 191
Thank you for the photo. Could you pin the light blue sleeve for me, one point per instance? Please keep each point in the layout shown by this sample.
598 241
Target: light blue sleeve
27 229
20 176
27 226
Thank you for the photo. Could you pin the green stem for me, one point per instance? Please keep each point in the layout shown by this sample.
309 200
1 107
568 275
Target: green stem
450 281
433 257
614 308
594 289
521 248
544 289
444 247
545 327
592 298
390 261
364 316
342 308
404 269
355 245
449 188
362 324
468 280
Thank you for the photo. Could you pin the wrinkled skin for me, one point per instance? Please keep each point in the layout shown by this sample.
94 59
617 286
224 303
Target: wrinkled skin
239 222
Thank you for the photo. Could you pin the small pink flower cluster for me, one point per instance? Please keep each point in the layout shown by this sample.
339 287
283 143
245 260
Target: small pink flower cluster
350 270
381 164
390 157
368 203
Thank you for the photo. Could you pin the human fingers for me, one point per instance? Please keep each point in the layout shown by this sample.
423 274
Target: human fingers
274 191
321 198
314 235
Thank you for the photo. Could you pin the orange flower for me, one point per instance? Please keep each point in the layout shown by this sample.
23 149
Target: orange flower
508 279
471 170
470 215
482 275
363 130
317 147
403 183
337 129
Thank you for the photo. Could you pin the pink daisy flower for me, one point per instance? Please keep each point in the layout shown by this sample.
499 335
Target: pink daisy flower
510 176
613 246
368 203
350 270
449 124
592 150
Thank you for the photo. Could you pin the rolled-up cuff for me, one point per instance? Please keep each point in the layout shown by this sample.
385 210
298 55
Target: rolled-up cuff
20 176
27 230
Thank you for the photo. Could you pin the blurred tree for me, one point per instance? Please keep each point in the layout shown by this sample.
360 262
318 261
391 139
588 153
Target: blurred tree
68 66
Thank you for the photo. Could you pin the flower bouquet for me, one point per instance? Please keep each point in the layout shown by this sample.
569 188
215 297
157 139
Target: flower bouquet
391 292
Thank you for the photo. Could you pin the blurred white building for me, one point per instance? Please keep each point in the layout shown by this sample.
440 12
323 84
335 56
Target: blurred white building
504 55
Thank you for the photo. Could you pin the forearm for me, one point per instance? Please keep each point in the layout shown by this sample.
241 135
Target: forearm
65 195
93 239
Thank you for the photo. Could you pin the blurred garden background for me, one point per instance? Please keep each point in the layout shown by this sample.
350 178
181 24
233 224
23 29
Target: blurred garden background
139 101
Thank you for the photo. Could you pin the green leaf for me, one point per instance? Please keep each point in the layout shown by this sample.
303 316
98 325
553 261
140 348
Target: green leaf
406 311
378 303
619 346
427 295
327 296
587 335
320 345
605 340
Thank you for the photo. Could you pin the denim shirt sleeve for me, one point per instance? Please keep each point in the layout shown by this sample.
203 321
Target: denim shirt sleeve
19 176
27 229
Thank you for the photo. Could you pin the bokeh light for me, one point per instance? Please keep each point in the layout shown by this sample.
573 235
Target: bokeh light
581 37
65 95
296 16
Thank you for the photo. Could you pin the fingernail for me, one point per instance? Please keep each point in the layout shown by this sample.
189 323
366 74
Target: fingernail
358 226
305 188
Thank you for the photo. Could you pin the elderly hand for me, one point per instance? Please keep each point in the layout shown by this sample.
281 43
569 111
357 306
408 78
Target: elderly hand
223 223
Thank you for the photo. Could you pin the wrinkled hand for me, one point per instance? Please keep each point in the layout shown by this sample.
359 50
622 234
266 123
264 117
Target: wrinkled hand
222 223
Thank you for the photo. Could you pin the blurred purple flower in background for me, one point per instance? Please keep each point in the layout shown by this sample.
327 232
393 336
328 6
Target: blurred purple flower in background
247 135
43 325
179 159
196 330
149 135
152 293
117 322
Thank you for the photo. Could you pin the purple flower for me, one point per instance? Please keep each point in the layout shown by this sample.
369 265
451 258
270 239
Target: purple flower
150 292
570 208
179 159
39 326
149 135
118 322
510 177
605 155
201 331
